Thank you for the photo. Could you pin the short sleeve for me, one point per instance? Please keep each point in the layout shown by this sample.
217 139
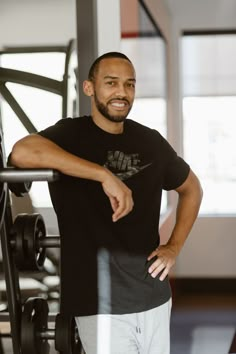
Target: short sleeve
58 133
176 168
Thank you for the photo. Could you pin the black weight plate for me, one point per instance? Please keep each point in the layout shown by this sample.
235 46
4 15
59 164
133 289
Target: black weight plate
20 256
3 199
28 229
3 186
35 230
34 321
20 189
40 232
66 335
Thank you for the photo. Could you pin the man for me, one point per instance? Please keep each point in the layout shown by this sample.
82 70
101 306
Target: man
113 269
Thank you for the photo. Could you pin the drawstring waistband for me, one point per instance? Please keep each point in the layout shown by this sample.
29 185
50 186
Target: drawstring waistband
138 329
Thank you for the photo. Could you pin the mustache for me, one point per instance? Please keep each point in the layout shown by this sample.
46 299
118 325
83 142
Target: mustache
119 99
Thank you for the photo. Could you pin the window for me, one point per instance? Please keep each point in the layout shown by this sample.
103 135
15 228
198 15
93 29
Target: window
209 111
150 103
144 44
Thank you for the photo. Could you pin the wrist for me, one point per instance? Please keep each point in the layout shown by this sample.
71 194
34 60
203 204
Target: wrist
175 247
102 174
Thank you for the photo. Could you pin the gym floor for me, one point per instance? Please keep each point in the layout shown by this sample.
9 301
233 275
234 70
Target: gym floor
203 324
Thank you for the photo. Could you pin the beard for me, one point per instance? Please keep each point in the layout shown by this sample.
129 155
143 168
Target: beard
104 110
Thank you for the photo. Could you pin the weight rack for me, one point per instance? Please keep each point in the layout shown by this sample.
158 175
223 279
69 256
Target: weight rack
24 244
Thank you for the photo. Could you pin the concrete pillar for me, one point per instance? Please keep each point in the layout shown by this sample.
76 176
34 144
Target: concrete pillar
98 31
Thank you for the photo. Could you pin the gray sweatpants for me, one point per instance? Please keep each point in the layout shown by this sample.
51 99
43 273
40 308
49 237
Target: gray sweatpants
145 332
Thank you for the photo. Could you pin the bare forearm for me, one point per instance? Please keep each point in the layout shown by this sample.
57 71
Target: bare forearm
37 152
185 218
190 196
187 210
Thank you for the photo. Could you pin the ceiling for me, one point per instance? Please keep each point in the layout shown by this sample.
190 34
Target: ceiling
203 13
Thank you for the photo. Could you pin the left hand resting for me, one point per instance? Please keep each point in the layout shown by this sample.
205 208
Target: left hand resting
163 263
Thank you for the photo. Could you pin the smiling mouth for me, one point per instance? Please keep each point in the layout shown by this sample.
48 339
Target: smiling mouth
119 104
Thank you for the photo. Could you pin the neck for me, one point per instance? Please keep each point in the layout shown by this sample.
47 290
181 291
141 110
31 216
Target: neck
108 126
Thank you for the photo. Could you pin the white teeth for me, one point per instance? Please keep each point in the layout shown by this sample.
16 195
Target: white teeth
116 104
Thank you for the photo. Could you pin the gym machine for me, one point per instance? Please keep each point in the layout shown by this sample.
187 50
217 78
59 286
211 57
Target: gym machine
24 243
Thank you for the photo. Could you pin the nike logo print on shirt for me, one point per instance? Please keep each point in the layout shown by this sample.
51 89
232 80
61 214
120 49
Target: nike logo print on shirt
124 165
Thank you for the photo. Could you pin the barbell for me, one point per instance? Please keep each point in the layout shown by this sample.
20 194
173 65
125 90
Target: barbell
29 242
19 181
21 175
28 235
35 332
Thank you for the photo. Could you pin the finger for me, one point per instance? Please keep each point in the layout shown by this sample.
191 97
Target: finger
157 270
124 208
114 203
155 265
153 254
164 274
119 212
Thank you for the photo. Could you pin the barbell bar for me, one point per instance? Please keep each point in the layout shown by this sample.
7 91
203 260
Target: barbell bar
19 175
48 242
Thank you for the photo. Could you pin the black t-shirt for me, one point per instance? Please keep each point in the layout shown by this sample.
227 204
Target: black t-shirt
104 264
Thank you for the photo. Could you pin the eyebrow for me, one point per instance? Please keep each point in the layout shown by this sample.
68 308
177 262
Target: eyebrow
116 78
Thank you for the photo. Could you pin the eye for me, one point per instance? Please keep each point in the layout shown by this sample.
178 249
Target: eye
131 84
110 83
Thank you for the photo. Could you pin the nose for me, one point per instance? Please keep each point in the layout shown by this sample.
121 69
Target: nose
121 91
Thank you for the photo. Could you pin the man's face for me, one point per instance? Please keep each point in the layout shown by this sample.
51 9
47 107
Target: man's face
114 89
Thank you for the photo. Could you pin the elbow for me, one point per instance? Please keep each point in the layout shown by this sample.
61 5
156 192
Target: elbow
197 192
24 153
192 190
33 151
18 156
198 195
200 191
196 187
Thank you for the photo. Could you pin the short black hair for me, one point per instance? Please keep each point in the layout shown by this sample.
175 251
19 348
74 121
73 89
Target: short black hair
94 67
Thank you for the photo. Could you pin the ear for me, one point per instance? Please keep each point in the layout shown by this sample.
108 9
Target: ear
88 88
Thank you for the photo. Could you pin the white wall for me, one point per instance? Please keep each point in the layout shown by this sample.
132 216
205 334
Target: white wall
203 14
210 249
32 22
108 30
